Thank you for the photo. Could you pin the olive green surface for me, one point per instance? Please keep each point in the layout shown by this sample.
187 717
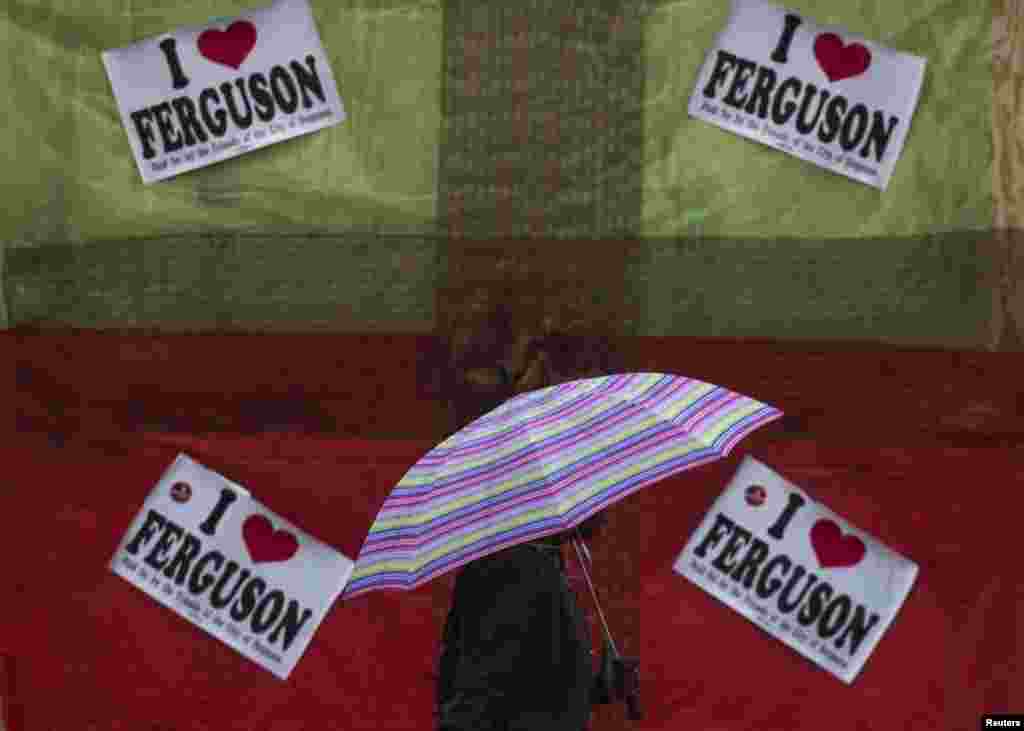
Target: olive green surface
740 188
348 228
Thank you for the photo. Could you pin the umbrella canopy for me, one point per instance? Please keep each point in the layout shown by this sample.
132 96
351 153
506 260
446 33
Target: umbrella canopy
542 463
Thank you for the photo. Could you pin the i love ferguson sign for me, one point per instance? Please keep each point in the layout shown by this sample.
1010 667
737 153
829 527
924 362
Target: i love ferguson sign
822 94
200 95
203 548
798 570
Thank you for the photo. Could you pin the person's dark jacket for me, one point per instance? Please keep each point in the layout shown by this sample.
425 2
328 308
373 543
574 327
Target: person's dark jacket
516 648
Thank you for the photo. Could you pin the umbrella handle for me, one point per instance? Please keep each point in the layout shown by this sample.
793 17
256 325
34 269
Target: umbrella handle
633 710
576 542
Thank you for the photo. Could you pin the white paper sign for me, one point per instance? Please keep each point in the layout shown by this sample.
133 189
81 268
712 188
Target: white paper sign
203 548
820 93
798 570
204 94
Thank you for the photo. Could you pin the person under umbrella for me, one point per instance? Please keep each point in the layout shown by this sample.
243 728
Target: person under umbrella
516 649
537 465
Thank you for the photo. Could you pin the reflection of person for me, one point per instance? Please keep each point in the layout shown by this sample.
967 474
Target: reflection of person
487 365
516 649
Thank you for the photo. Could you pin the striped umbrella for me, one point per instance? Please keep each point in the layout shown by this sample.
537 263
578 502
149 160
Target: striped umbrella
542 463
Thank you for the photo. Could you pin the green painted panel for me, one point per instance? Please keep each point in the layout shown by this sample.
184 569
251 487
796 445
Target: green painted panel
238 283
913 291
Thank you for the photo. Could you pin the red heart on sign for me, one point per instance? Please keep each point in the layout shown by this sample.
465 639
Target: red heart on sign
229 47
832 548
264 543
839 61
